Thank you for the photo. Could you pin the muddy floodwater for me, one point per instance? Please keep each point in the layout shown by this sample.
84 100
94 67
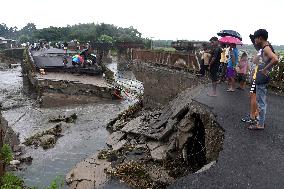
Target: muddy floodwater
80 140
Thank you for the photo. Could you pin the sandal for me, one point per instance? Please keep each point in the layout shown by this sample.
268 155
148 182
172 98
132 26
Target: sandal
230 90
248 119
255 127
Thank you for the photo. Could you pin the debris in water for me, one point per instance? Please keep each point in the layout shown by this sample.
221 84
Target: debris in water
69 119
46 139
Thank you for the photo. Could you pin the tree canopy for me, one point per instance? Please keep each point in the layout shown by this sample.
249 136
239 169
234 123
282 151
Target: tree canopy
82 32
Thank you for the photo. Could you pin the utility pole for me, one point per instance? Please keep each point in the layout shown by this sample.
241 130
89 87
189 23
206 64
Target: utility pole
151 42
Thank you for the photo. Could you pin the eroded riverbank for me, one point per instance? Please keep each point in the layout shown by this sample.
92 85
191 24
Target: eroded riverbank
83 138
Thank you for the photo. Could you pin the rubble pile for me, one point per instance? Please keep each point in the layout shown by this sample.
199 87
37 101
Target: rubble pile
155 147
123 118
48 138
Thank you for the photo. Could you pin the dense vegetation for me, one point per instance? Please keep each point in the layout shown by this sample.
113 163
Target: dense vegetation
81 32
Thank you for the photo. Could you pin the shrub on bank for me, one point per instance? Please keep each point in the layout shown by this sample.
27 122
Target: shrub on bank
10 181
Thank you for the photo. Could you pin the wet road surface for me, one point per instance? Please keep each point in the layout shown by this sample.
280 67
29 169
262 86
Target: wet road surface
250 159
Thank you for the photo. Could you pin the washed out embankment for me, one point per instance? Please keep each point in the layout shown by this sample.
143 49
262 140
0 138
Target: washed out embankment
86 135
69 84
161 83
152 147
9 137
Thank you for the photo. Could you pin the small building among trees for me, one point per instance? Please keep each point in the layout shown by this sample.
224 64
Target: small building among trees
6 43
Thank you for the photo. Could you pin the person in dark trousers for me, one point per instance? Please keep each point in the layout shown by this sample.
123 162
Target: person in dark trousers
269 59
214 65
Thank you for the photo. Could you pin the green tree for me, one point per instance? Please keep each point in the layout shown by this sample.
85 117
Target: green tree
4 30
29 29
24 38
106 39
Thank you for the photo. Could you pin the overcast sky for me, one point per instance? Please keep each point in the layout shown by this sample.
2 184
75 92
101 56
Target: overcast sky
160 19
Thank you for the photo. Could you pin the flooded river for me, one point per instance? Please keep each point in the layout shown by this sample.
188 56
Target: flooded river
82 139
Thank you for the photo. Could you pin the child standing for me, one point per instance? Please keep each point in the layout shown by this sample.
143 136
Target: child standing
207 57
243 68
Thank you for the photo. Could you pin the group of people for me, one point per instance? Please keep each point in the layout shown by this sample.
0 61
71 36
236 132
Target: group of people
229 67
40 46
215 61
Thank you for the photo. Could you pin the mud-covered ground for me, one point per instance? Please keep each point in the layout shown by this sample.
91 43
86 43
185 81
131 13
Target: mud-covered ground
80 140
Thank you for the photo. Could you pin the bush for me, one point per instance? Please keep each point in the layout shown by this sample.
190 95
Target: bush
6 154
57 183
10 181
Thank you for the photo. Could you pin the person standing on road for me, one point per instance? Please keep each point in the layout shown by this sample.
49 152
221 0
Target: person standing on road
231 68
223 64
202 69
243 69
214 65
269 59
206 59
252 117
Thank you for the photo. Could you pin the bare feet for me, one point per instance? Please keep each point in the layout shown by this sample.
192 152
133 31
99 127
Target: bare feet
212 94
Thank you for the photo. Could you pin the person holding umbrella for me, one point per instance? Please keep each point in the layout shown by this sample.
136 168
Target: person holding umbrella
231 67
214 65
232 38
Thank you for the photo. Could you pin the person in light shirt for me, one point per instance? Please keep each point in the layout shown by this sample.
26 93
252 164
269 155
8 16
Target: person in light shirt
243 69
223 63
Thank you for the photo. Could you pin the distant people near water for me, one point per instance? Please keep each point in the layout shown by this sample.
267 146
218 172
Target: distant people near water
242 71
231 67
85 54
269 59
78 46
214 65
201 64
65 47
94 59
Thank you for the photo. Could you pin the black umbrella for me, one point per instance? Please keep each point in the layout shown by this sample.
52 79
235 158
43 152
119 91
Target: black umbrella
232 33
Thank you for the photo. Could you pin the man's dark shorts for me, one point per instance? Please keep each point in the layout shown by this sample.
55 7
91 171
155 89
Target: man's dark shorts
214 69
